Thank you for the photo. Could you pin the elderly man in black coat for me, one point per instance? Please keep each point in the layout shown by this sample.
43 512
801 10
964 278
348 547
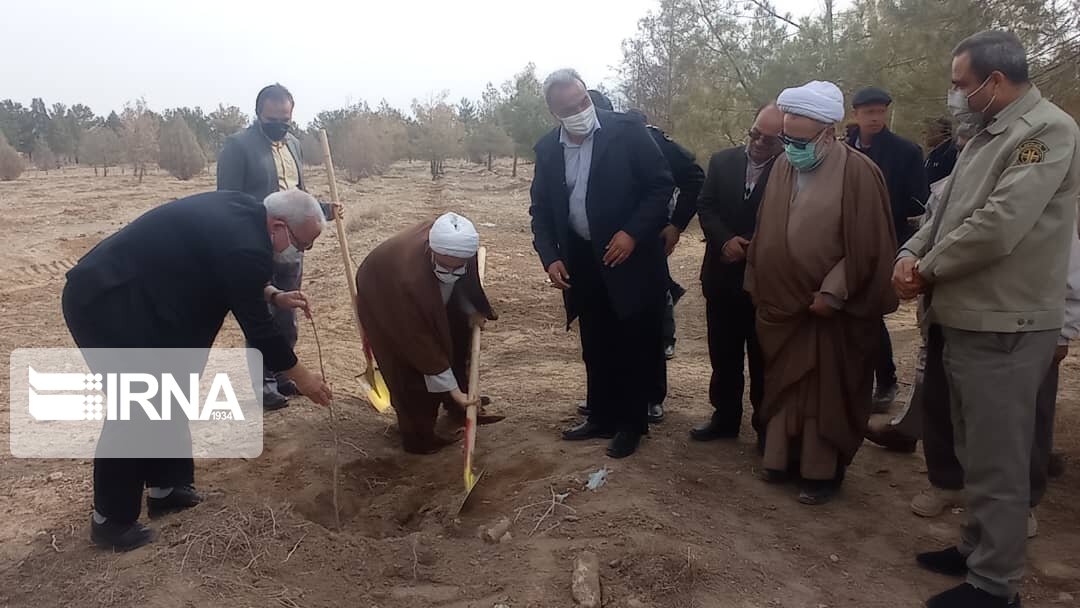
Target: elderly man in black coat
166 281
901 162
599 202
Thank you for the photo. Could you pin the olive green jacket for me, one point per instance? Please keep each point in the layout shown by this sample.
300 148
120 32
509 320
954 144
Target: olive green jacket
997 250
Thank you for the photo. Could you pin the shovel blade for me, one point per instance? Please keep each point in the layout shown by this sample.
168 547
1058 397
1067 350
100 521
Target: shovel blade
378 395
471 481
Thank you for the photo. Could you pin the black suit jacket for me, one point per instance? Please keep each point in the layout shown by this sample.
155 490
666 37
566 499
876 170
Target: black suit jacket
630 185
193 261
724 212
901 162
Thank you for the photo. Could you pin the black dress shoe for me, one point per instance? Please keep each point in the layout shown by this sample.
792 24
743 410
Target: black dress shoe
884 397
969 596
656 413
893 440
583 409
624 444
818 491
288 388
120 537
181 498
425 447
587 430
774 476
677 292
711 431
273 400
669 352
949 562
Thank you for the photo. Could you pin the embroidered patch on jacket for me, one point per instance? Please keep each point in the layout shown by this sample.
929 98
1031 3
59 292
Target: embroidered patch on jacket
1030 152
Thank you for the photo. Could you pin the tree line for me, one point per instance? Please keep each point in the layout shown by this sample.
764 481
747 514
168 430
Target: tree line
701 68
505 121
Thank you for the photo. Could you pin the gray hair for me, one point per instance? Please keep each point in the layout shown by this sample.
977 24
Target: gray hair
296 207
563 77
995 51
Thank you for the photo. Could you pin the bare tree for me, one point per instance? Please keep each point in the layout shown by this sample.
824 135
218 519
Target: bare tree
440 132
101 148
140 136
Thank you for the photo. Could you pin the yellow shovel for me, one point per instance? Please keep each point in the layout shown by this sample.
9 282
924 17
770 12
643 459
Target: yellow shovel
472 479
378 394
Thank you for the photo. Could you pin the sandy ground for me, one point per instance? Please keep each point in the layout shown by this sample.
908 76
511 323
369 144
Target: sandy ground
678 525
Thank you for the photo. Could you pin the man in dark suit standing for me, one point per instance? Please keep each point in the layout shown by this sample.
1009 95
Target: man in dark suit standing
599 202
166 281
901 162
260 160
727 210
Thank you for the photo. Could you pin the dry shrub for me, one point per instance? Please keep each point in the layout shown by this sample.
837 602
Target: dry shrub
11 162
180 153
364 214
44 159
368 144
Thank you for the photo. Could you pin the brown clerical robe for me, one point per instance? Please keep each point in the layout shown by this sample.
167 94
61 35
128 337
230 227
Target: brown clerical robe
413 333
832 232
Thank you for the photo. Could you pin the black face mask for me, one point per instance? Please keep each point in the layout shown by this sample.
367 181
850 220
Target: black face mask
276 130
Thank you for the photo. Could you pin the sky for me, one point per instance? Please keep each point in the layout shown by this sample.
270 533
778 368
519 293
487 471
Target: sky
329 53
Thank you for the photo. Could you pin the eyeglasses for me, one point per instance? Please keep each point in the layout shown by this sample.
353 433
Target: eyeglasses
297 242
768 140
798 142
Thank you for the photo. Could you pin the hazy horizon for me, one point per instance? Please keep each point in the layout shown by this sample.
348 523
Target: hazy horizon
204 52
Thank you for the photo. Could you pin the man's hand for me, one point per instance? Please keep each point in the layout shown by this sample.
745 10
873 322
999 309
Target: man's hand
619 249
337 211
735 249
671 235
820 306
310 384
293 299
462 399
560 279
1060 353
477 320
906 280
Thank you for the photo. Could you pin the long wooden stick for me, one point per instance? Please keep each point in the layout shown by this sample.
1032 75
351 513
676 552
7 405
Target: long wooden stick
343 241
474 388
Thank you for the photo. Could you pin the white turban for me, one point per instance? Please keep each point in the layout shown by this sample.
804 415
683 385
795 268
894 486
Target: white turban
821 101
454 235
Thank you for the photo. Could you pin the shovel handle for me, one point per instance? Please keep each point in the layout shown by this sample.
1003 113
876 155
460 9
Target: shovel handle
343 244
474 353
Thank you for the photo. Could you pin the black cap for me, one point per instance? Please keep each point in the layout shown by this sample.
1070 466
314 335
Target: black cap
600 100
871 96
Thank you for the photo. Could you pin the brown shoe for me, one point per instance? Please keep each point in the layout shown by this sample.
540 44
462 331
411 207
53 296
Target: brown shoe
893 440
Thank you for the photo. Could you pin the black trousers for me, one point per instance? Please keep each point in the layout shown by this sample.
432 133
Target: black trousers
732 333
622 355
885 369
286 277
117 319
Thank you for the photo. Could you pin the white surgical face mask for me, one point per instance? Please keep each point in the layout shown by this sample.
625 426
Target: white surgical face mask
961 112
447 275
290 255
582 123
